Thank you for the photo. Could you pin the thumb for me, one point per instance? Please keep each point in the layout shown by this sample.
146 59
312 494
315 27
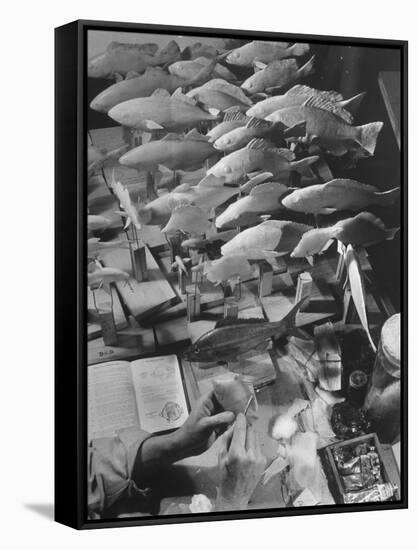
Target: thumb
225 417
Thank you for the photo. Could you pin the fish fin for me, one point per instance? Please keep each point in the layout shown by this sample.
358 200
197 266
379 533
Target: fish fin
203 74
290 318
160 92
326 246
297 130
391 233
237 321
390 197
163 169
255 180
183 188
118 77
259 66
310 260
268 187
152 125
233 113
307 91
270 254
368 134
258 123
327 210
353 103
320 102
352 184
266 145
308 68
178 94
172 136
302 166
214 112
298 49
106 288
194 135
131 74
211 180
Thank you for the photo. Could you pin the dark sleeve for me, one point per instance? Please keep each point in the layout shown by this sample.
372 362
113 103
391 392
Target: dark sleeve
110 464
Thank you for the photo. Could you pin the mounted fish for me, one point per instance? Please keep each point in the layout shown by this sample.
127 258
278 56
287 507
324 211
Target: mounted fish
257 179
203 244
255 128
263 199
259 154
102 277
95 246
173 151
338 194
267 240
277 75
358 293
232 337
365 229
128 209
297 96
326 124
265 52
187 70
189 219
120 59
227 269
166 178
232 119
221 95
161 112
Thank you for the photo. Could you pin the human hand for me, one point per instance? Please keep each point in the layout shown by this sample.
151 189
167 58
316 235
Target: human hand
241 464
195 435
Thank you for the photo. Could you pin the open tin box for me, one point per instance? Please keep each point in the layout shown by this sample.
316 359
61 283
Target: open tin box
388 467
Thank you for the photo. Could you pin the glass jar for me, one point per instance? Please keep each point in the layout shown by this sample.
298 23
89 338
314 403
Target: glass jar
382 402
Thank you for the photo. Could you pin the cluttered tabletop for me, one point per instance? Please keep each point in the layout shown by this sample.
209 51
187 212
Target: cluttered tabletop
227 229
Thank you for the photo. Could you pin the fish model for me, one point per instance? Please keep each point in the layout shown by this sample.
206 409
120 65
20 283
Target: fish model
365 229
228 268
259 154
358 293
202 244
199 50
231 338
298 95
161 111
173 151
189 219
187 70
262 199
265 52
221 95
95 246
97 222
323 124
338 194
96 158
232 119
254 128
267 240
102 277
276 75
120 59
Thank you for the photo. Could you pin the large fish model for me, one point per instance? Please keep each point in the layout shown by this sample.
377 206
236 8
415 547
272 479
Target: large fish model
297 96
338 194
160 111
276 75
259 154
324 125
230 338
188 70
174 151
267 240
265 52
221 95
365 229
145 85
263 199
232 119
120 59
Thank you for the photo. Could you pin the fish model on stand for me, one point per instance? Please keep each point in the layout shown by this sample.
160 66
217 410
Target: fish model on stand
145 85
120 59
95 246
365 229
276 75
232 119
230 269
221 95
173 151
267 240
189 219
298 95
263 199
328 126
230 338
259 154
188 70
338 194
264 52
161 111
102 277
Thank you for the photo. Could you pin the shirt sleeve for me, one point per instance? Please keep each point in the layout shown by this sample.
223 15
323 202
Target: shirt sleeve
110 464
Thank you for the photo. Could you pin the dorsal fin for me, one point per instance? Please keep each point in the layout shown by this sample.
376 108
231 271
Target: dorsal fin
255 122
233 322
194 135
353 184
172 136
234 115
320 102
227 88
182 188
269 187
259 66
161 92
178 95
301 89
259 143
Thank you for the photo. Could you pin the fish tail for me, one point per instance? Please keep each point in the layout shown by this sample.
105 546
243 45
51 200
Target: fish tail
290 319
391 233
353 103
298 49
308 68
303 166
388 197
368 134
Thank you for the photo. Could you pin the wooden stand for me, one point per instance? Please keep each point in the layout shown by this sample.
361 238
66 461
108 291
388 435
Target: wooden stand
303 289
193 306
136 138
151 193
139 263
265 279
107 322
197 277
182 280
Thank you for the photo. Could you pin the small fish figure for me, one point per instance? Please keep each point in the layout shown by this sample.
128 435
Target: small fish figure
267 240
265 52
233 337
338 194
276 75
103 277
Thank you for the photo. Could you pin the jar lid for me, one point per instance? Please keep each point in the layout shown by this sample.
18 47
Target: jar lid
391 342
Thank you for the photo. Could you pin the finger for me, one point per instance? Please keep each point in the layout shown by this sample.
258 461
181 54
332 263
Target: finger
225 440
225 417
208 400
251 441
239 435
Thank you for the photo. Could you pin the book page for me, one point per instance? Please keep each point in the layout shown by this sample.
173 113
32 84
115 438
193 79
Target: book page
111 399
160 396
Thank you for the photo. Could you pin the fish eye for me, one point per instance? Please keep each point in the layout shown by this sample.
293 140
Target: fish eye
196 350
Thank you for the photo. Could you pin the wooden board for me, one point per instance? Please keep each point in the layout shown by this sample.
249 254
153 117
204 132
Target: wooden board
144 298
94 329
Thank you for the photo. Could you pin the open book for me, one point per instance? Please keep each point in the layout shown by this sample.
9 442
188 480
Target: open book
148 393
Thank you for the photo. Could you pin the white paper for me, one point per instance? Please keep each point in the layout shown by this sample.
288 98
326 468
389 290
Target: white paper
159 393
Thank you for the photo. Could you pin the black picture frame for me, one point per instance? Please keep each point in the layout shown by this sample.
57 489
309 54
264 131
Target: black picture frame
70 272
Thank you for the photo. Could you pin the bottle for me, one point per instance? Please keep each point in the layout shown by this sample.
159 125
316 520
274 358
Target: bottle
382 403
